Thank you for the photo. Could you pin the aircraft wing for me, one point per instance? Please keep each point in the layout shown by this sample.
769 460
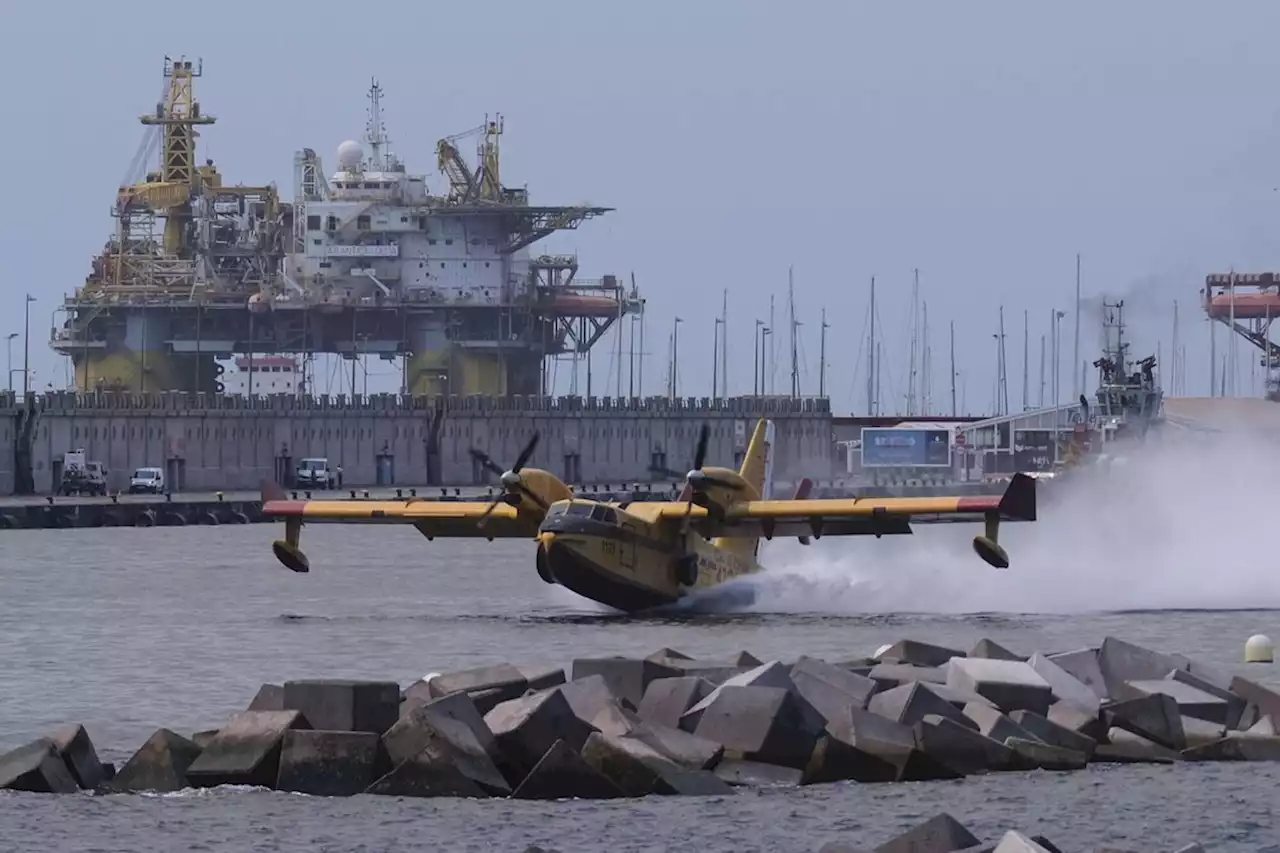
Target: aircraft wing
432 518
856 516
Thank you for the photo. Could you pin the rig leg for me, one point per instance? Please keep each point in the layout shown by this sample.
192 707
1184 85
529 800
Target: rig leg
988 546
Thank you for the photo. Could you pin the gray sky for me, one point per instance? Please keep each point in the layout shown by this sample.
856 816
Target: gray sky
984 143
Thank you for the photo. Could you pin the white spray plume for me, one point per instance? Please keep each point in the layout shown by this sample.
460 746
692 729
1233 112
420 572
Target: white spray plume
1179 523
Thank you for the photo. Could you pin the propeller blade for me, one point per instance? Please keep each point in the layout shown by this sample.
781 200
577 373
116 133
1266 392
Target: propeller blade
701 456
526 454
483 458
484 516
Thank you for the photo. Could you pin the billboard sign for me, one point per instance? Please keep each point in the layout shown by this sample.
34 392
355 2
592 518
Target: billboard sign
895 447
1033 449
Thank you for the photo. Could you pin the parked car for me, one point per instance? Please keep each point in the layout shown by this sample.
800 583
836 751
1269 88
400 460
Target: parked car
315 473
147 480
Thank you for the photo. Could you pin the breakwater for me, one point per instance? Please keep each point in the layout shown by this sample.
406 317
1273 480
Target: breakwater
207 442
671 724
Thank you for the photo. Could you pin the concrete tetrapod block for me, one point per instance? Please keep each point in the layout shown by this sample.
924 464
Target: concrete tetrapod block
541 677
270 697
963 749
1234 704
527 728
1154 716
1047 731
688 751
345 706
1082 665
37 768
808 669
1191 701
1071 717
563 774
639 770
910 703
590 695
772 674
1264 726
614 720
627 678
430 748
1265 699
159 765
327 763
866 747
1120 661
890 675
667 699
1011 685
755 774
769 724
939 834
919 654
992 650
1237 746
488 685
995 725
1065 686
76 749
1124 747
1046 756
1016 842
246 751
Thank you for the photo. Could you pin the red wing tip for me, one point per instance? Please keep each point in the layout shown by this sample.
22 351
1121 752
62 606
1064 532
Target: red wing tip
283 508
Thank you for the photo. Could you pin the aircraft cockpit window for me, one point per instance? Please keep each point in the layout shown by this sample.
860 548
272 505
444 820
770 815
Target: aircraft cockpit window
579 509
605 514
557 509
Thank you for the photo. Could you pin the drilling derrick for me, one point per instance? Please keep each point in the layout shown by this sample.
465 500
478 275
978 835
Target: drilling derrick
171 288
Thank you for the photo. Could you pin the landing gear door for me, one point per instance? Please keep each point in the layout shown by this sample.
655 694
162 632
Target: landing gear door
627 547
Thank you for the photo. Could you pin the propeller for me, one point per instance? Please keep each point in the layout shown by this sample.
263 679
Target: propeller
512 484
698 481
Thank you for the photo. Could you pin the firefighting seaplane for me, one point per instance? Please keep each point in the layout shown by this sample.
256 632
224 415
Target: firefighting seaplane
638 555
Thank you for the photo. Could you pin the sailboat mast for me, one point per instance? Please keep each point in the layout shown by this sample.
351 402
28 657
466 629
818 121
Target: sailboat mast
822 357
953 368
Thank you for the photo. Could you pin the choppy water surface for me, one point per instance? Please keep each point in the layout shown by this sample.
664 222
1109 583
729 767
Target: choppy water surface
128 630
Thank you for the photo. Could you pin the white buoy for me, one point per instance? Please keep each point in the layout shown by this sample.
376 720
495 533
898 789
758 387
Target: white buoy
882 650
1259 649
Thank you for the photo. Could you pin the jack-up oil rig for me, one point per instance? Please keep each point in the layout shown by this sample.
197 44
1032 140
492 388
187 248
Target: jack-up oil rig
364 262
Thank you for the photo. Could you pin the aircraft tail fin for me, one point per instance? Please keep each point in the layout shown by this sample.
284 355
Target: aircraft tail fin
757 470
757 463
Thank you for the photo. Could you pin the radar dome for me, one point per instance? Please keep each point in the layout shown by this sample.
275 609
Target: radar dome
350 154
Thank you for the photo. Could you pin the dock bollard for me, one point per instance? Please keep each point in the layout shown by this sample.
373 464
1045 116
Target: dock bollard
1259 649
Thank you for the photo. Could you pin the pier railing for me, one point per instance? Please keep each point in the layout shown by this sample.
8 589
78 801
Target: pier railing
53 402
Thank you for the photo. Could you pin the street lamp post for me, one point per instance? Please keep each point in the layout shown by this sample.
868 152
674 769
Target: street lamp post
8 345
26 345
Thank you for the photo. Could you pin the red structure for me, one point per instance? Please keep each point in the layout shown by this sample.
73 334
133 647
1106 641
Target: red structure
1247 304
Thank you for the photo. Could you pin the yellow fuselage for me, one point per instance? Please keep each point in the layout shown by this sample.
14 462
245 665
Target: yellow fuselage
624 560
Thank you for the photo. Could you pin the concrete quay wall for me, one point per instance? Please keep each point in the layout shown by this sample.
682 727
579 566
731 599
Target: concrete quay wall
224 442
